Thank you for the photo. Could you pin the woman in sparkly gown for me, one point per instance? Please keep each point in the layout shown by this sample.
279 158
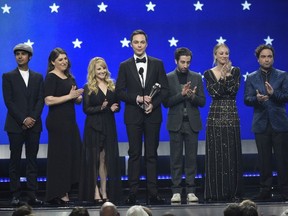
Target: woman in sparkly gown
223 160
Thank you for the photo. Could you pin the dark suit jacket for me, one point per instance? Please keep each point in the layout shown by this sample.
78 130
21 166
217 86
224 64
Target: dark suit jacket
128 86
176 105
22 101
274 109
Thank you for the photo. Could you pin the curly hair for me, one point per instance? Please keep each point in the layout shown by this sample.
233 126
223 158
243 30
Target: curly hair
92 81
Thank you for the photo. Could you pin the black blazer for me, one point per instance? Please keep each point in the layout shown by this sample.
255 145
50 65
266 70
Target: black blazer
22 101
128 86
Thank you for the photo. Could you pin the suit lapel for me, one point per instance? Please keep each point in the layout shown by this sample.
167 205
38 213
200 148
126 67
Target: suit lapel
176 81
133 69
259 79
149 70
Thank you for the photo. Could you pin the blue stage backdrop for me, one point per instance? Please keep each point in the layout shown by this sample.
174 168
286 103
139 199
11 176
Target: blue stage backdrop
90 28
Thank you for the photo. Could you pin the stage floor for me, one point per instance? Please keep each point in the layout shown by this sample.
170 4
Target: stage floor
199 209
272 208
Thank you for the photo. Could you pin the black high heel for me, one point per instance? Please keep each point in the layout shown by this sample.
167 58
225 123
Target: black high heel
98 201
104 199
58 201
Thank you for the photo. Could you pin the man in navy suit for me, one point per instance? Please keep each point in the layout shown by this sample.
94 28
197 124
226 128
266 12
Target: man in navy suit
143 115
23 97
186 95
266 91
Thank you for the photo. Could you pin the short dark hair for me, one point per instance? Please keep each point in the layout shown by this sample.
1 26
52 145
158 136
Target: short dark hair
261 47
182 51
232 209
24 210
249 211
136 32
79 211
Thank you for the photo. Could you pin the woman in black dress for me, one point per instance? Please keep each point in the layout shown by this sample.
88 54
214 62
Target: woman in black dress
64 142
223 160
100 153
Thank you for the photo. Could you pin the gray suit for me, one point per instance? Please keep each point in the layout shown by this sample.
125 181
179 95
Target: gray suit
184 129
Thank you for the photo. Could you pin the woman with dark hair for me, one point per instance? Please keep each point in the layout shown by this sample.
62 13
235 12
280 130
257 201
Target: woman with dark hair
64 142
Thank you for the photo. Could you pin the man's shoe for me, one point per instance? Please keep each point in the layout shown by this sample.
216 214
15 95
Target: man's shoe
176 198
16 202
263 196
35 202
191 197
131 200
156 200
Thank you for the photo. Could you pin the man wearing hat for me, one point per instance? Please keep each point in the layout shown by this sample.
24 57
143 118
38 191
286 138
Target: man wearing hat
23 96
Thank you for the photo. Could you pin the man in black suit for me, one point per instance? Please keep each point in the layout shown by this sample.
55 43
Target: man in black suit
143 115
23 97
186 95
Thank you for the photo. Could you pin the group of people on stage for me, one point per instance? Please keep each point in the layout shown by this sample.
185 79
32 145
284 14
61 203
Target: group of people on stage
143 85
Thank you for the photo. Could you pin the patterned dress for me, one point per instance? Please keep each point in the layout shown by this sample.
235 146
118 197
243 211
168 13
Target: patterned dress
223 160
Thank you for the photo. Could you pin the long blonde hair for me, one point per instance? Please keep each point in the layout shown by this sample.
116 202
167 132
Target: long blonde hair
92 81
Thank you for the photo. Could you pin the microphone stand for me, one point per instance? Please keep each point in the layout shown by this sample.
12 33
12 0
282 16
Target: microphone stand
141 71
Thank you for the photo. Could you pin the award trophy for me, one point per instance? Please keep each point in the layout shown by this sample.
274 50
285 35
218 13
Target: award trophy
155 89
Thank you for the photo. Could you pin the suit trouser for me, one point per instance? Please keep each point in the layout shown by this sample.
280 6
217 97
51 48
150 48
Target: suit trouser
151 142
190 139
265 143
31 141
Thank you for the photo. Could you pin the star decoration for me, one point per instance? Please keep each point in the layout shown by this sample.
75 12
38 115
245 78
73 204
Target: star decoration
268 40
125 42
54 8
198 6
150 6
77 43
246 5
102 7
6 9
173 42
221 40
29 43
245 76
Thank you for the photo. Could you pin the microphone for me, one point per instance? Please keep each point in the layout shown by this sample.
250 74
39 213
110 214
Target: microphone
141 71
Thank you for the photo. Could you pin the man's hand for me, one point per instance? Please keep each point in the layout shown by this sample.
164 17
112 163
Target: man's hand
147 99
261 97
269 88
29 122
149 108
191 93
186 88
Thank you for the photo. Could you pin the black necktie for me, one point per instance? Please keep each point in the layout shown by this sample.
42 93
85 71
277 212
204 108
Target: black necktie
143 60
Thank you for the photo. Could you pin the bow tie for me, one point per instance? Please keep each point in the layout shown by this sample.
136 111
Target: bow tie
143 60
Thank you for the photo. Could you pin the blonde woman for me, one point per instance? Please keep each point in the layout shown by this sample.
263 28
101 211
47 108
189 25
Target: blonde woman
223 159
100 153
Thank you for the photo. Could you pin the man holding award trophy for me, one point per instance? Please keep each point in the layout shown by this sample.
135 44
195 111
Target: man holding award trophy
142 85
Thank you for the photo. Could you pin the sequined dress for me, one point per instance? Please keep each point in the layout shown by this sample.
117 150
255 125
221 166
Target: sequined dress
223 160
